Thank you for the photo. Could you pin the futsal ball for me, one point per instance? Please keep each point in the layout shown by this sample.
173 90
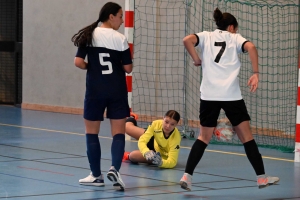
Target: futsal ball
224 131
223 134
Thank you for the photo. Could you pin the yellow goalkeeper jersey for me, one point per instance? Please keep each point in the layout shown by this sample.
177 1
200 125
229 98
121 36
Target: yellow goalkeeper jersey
168 147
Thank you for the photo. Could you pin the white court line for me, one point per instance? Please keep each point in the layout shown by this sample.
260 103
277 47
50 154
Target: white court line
72 133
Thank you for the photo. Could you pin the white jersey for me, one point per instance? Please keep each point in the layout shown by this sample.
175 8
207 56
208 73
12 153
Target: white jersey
110 39
220 65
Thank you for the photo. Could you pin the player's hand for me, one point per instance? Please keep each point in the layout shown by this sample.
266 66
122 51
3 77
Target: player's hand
149 155
157 160
253 82
197 62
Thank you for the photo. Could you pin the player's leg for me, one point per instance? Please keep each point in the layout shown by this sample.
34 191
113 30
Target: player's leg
118 143
237 114
195 156
117 152
209 112
132 129
92 128
117 112
244 133
137 157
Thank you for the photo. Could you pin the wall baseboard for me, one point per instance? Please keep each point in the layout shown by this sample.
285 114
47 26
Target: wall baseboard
79 111
49 108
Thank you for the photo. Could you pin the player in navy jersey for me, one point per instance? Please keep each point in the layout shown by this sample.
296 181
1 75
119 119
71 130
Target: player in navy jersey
220 90
108 59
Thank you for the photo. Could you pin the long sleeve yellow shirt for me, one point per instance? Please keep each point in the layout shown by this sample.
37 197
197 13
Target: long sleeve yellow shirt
168 147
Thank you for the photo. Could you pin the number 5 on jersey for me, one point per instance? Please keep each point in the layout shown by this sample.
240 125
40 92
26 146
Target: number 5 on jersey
105 63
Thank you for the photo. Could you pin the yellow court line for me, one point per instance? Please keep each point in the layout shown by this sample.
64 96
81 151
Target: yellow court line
72 133
48 130
240 154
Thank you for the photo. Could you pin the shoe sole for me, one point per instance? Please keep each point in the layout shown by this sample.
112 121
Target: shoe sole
264 186
118 185
93 184
184 186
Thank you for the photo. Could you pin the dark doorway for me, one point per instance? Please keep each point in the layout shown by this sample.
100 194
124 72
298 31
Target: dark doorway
11 34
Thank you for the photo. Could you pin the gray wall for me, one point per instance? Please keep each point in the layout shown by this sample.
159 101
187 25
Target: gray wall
161 69
49 75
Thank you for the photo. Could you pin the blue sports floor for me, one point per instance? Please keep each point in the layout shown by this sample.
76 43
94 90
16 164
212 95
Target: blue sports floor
42 156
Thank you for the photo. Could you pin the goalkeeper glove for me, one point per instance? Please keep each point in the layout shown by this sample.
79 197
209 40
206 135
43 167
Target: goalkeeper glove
149 155
157 160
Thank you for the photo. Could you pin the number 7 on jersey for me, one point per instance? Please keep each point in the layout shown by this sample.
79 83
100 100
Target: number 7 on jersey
222 45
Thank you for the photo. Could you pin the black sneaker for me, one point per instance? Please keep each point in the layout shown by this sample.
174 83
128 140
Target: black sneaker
116 179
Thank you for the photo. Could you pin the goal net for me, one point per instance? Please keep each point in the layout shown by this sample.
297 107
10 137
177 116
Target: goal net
164 76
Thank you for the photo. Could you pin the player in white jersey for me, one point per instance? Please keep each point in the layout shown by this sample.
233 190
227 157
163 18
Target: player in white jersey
109 59
220 90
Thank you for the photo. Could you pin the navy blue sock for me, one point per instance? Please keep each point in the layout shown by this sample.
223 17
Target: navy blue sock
117 150
93 153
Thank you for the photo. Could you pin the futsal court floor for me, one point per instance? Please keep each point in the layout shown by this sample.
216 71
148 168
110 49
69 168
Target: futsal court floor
43 155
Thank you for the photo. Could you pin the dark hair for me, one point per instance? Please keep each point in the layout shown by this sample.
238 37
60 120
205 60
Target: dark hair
223 20
173 115
84 36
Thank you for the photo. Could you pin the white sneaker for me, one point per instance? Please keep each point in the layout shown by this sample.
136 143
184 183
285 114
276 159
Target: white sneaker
91 180
186 182
115 177
264 181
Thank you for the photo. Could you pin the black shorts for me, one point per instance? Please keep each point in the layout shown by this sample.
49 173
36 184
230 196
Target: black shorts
116 108
236 112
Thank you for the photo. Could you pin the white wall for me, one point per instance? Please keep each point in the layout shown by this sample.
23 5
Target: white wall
49 75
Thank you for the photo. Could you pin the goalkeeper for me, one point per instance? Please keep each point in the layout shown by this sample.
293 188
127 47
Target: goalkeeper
159 144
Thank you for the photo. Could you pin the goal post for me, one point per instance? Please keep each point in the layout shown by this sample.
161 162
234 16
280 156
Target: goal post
297 140
164 76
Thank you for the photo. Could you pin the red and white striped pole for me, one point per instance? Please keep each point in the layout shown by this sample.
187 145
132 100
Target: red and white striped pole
129 24
297 136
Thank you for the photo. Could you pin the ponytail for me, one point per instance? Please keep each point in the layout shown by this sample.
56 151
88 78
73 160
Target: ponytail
223 20
84 36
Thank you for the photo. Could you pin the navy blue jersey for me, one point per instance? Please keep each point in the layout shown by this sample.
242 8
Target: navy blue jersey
105 73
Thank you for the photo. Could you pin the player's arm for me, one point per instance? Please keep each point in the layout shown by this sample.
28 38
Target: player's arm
79 58
173 154
144 139
80 63
127 61
126 57
189 43
127 68
253 80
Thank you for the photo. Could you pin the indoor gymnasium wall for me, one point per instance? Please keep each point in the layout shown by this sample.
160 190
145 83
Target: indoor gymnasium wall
50 79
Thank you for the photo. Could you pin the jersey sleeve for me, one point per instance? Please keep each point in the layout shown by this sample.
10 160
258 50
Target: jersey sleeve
173 154
126 54
240 41
201 38
81 52
126 57
144 139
